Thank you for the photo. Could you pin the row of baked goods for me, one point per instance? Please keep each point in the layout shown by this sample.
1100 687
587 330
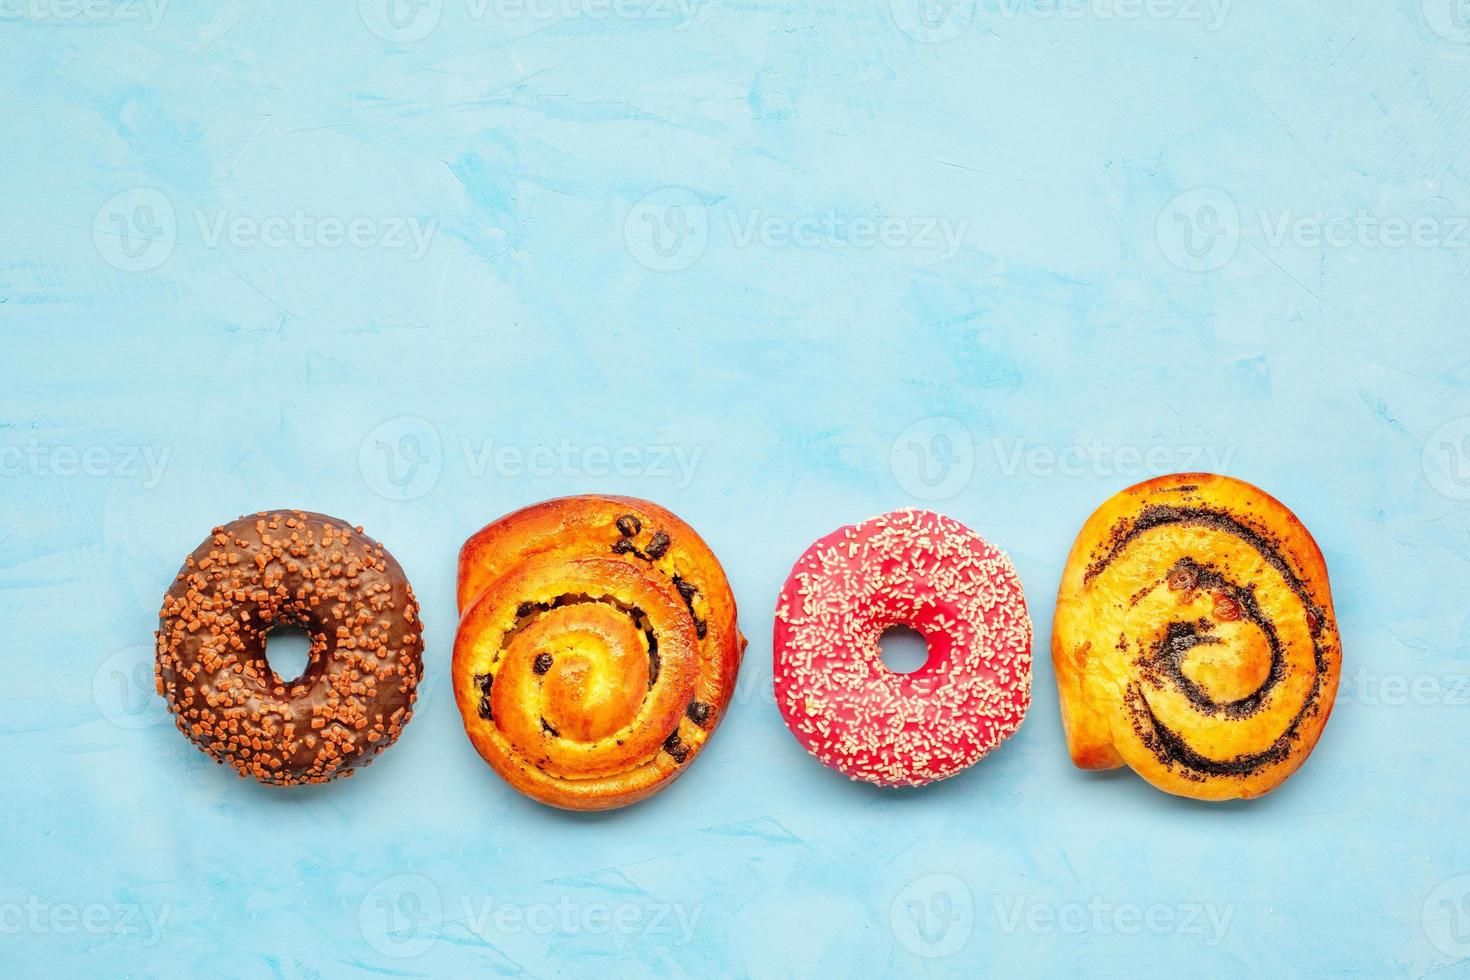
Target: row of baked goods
1194 641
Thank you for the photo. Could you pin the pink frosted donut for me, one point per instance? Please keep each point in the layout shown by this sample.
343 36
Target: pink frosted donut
926 571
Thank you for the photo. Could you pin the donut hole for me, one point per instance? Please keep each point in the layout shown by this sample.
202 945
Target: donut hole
903 649
288 651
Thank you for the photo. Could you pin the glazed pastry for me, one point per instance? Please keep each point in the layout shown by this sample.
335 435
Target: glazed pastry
1194 638
597 649
292 568
931 573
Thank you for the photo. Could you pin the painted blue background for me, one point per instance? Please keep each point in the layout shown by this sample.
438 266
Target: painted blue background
645 233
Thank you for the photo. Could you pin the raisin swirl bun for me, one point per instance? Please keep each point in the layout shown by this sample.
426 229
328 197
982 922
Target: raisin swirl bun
1194 638
597 649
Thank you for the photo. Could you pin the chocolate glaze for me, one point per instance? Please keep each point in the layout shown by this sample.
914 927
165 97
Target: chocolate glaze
302 569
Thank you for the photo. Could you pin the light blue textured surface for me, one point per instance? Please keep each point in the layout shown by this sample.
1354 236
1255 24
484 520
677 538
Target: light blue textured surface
800 264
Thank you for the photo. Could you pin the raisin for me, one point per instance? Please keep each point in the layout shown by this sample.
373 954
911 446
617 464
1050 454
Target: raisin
698 713
1226 609
628 525
542 663
1183 578
700 628
525 609
485 708
672 742
483 682
680 753
1314 622
687 591
658 544
622 546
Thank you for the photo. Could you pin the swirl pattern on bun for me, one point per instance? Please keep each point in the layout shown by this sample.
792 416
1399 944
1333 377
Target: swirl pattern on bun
1195 640
597 649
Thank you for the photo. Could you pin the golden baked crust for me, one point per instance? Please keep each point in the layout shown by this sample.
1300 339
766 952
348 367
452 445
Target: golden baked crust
1194 639
597 648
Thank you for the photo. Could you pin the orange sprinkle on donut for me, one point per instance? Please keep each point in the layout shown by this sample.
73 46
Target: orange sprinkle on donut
276 569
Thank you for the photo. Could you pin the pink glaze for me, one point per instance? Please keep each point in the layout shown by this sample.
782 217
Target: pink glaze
927 571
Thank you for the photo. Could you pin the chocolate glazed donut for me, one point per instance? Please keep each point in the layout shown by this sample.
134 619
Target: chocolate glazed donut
1195 639
290 568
